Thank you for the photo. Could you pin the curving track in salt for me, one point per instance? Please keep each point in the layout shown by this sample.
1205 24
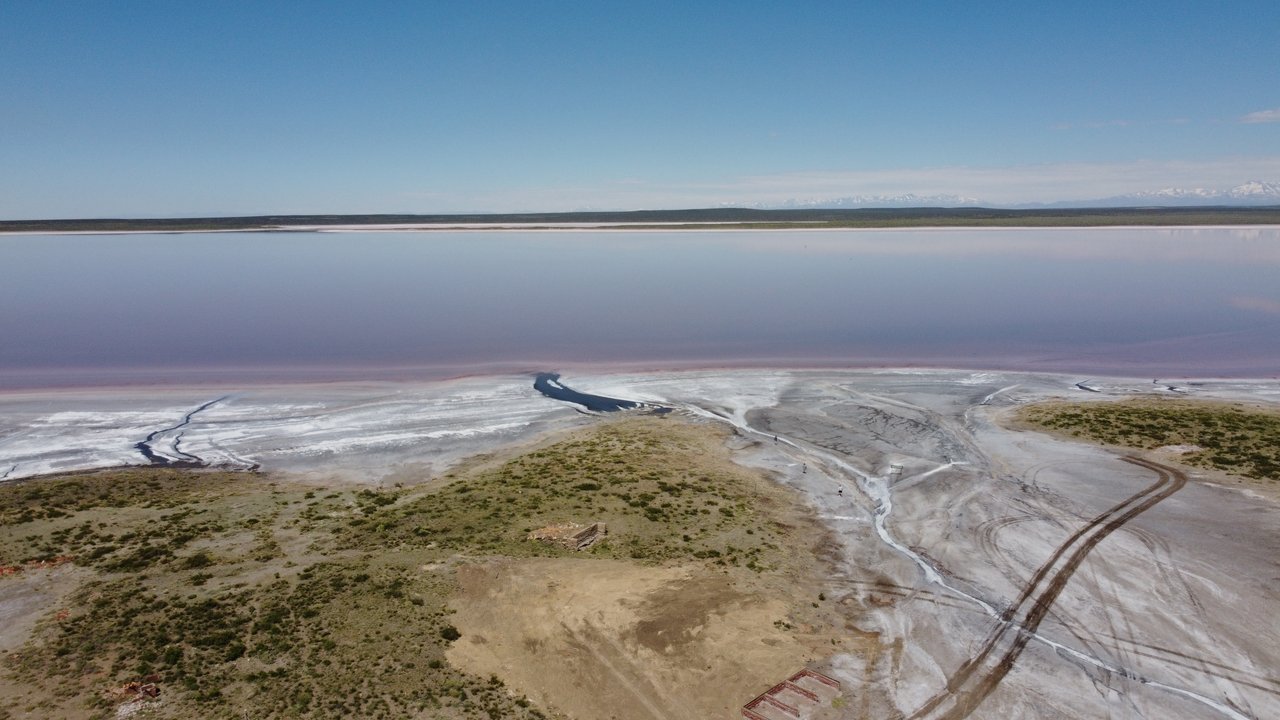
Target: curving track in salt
980 675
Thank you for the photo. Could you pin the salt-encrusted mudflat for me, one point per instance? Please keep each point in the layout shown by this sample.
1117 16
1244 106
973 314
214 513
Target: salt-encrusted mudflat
985 571
362 432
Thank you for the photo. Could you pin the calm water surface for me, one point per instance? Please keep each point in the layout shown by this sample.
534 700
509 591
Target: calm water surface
313 306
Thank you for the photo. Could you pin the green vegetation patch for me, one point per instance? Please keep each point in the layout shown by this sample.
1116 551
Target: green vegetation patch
665 490
1240 440
341 639
120 521
59 496
235 592
227 590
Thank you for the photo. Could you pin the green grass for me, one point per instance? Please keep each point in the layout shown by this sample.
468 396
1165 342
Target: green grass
661 497
236 592
342 639
59 496
229 591
1235 439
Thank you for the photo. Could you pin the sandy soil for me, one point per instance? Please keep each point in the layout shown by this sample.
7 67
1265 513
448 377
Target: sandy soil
28 596
598 639
589 638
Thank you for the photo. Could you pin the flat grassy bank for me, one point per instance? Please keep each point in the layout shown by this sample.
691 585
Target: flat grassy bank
242 594
1237 439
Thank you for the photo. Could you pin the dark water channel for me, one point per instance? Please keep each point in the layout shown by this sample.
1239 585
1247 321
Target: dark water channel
549 384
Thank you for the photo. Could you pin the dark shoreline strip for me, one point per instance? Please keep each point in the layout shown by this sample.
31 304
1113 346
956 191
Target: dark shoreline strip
743 217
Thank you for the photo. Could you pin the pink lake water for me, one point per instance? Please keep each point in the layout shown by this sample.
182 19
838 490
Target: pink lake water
80 310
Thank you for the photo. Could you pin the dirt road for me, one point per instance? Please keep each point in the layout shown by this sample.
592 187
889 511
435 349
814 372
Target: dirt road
981 674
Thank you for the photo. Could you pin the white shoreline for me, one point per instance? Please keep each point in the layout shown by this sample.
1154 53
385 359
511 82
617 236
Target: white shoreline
422 375
385 423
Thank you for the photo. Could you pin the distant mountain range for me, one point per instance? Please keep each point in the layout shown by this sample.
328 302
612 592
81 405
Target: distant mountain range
871 201
1254 192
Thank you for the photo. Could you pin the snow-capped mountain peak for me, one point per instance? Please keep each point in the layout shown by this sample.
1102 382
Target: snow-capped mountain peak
866 201
1253 192
1256 188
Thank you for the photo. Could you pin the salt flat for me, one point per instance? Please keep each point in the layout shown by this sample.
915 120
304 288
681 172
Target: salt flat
1169 613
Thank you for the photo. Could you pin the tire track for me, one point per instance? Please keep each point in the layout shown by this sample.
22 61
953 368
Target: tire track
986 534
874 489
904 593
1174 578
1202 665
645 694
980 675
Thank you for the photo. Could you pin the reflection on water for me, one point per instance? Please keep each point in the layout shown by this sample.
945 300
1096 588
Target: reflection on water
313 306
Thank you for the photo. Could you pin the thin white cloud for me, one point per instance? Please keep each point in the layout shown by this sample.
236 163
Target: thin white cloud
1004 185
1262 116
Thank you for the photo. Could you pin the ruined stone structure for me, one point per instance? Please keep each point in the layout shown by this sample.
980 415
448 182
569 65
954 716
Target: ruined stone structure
573 536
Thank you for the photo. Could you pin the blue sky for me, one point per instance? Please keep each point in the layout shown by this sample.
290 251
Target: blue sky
176 108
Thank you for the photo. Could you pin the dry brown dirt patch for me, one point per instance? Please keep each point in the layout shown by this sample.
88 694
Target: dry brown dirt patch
595 638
